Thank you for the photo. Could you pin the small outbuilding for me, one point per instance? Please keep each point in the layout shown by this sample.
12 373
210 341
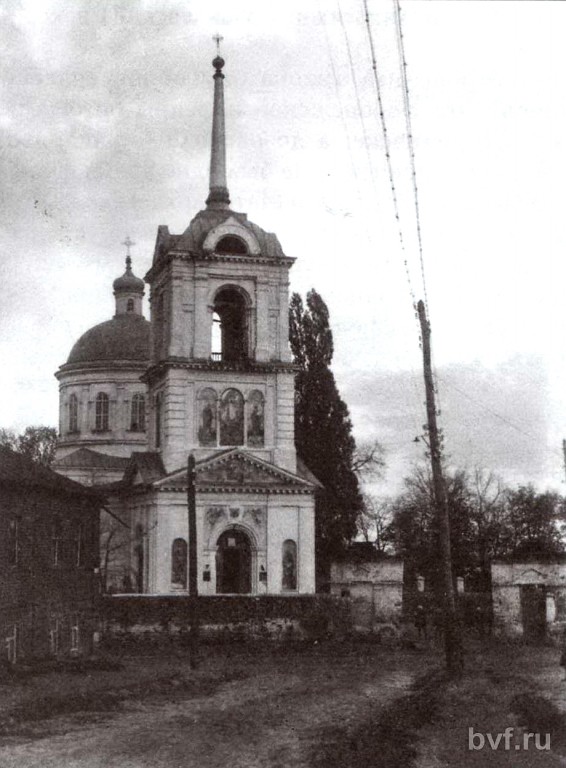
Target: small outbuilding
373 583
48 561
529 598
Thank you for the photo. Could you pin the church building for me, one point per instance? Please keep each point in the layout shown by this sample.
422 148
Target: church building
211 375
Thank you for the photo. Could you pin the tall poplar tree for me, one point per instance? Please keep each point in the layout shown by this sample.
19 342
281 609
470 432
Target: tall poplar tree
323 430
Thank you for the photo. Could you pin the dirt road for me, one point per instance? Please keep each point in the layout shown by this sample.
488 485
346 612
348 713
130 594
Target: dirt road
271 717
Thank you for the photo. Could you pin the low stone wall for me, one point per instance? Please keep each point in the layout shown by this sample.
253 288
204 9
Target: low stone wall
151 618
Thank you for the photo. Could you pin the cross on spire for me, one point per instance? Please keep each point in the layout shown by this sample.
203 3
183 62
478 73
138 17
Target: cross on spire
128 243
217 39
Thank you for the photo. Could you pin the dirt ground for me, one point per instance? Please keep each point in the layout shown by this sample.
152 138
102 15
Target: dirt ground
245 709
321 706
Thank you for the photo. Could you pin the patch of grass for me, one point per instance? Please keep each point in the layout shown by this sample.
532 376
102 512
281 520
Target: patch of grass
539 715
77 704
386 740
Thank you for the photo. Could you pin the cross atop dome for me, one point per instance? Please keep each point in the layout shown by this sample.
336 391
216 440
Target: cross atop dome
128 243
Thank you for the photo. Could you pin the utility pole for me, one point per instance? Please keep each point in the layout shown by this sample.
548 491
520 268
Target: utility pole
452 631
193 565
564 452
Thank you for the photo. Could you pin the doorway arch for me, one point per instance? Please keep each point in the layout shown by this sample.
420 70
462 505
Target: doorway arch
234 563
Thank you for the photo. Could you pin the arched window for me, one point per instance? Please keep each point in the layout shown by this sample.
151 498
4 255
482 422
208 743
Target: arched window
231 418
101 412
179 563
158 420
289 565
73 414
130 305
207 424
255 419
231 244
231 313
137 419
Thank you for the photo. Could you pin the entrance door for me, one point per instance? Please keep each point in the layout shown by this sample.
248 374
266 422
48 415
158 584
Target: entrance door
533 612
233 564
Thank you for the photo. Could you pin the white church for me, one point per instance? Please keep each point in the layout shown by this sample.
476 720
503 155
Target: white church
210 375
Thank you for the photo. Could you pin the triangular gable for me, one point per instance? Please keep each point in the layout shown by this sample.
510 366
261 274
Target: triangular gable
530 576
239 471
143 468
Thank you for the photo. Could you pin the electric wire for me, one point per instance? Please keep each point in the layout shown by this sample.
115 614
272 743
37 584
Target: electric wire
357 94
388 153
498 416
408 122
343 118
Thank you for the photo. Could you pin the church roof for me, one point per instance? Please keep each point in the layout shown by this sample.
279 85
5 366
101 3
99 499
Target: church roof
193 238
125 337
85 458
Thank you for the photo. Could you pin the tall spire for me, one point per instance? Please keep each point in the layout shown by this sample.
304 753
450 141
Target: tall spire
218 196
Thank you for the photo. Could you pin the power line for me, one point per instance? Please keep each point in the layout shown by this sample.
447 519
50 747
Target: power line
496 415
357 93
408 121
388 152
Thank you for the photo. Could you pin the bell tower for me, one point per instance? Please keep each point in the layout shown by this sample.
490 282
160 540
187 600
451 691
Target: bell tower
221 374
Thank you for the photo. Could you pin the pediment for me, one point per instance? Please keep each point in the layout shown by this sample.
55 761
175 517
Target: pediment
241 472
530 576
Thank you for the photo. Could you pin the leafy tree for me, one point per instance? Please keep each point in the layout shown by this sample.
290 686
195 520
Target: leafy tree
38 443
487 521
533 523
323 430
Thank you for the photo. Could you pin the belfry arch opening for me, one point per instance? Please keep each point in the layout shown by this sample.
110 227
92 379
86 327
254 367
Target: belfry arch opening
229 326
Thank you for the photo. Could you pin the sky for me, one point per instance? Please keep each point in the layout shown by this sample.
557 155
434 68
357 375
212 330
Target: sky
105 114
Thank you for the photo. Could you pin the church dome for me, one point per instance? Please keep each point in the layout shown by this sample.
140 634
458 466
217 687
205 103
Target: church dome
125 337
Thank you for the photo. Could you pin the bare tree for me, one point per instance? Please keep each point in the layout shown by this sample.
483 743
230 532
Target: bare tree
368 460
374 521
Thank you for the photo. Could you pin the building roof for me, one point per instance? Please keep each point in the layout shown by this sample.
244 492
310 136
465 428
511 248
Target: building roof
84 458
20 472
193 238
147 464
125 337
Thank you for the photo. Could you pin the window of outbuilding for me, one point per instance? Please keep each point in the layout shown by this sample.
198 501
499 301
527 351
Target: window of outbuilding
56 541
102 412
14 541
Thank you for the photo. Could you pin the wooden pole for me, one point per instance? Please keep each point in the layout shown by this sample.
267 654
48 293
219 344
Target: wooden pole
193 564
452 630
